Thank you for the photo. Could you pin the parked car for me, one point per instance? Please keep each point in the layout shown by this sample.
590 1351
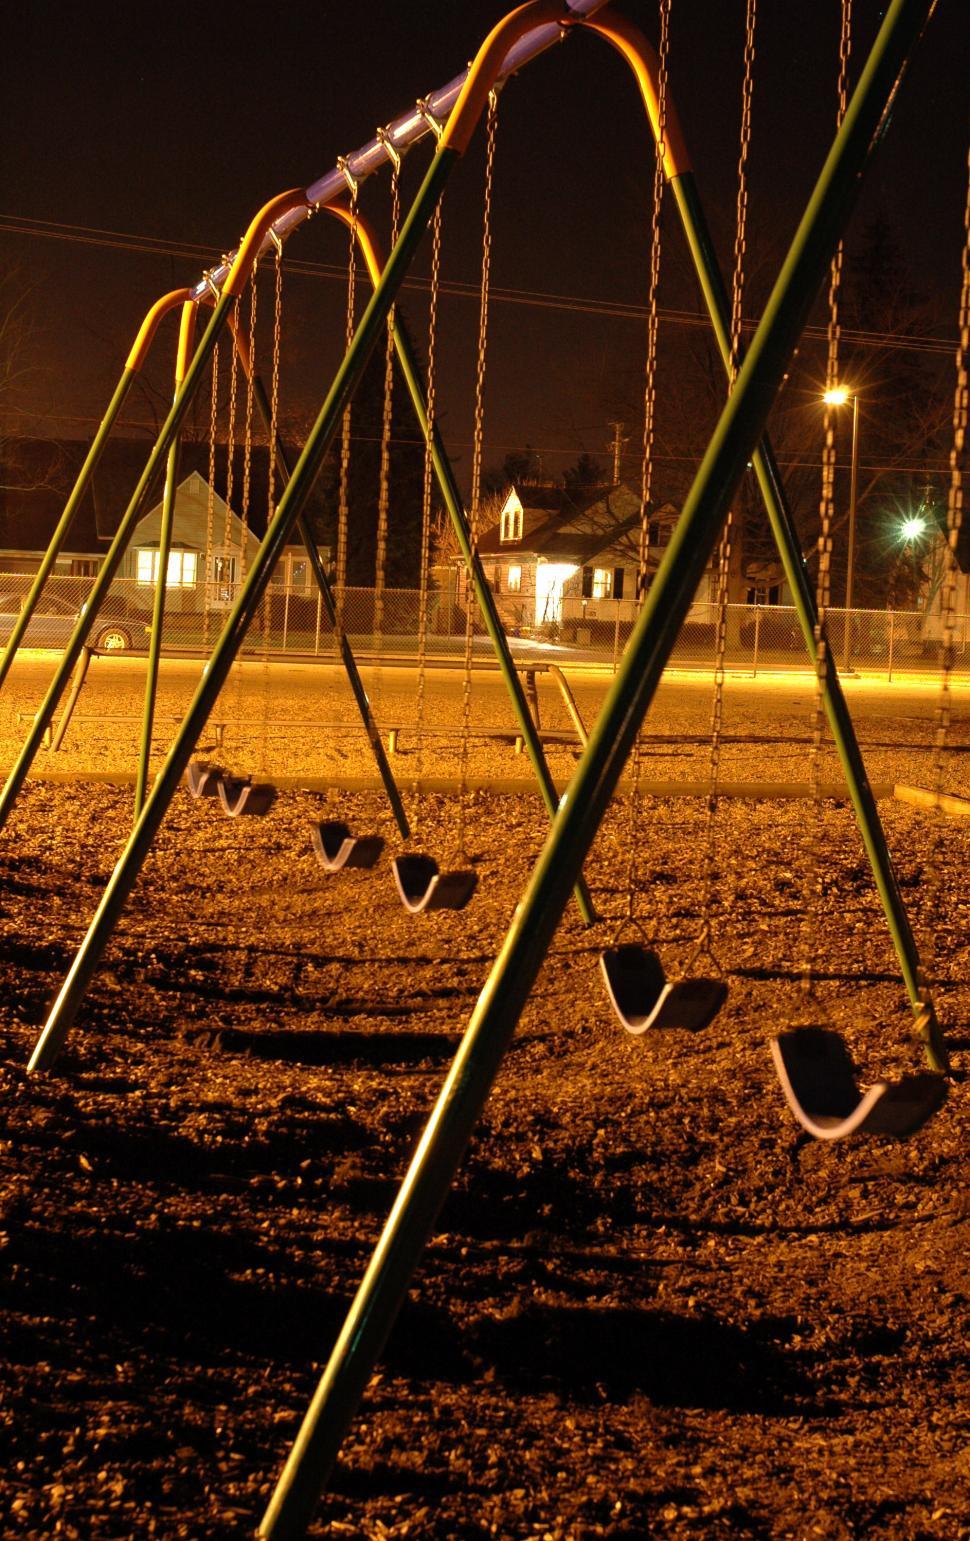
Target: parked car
53 622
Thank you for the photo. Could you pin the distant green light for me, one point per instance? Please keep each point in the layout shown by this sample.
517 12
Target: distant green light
912 529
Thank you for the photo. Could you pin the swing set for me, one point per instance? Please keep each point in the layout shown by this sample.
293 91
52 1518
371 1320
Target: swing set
813 1063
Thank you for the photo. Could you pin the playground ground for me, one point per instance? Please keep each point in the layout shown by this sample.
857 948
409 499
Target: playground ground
649 1306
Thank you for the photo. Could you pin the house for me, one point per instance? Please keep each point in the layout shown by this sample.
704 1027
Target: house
203 523
568 561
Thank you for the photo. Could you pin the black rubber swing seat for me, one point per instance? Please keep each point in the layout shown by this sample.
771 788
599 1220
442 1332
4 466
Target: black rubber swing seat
422 887
818 1078
203 779
337 848
240 796
643 997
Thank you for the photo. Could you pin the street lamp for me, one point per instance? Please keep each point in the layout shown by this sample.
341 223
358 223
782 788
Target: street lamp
837 397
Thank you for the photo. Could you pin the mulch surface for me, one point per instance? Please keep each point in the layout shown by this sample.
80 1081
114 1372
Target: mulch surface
649 1306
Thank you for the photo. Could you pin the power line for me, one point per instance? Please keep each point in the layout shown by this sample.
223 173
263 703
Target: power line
938 467
536 299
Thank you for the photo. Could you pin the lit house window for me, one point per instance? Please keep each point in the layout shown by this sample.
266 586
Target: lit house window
515 580
182 568
511 527
602 582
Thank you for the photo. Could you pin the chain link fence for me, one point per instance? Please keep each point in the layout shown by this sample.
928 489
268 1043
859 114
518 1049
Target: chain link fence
293 623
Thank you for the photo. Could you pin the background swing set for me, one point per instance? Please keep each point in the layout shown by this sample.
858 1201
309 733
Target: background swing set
812 1065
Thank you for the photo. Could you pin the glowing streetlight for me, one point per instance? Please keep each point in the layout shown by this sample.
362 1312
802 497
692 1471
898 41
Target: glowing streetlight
913 528
837 397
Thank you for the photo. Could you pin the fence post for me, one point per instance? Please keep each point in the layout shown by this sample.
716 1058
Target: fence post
316 634
892 638
286 613
757 641
616 639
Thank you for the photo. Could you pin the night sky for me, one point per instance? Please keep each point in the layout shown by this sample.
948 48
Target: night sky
174 124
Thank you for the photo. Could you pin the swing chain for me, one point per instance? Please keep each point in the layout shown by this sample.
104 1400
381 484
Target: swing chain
727 534
384 473
478 430
741 227
274 403
248 423
954 525
230 449
343 502
425 573
210 502
477 442
824 574
649 424
274 380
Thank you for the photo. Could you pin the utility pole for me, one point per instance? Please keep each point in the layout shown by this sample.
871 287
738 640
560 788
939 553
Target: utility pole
616 445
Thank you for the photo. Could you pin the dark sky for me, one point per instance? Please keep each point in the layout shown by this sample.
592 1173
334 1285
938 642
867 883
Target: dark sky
173 122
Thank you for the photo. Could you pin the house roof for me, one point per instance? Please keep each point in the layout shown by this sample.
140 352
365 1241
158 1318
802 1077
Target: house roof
575 527
38 475
196 524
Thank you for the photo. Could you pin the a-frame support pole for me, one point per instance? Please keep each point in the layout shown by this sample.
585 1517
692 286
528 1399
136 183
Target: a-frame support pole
512 977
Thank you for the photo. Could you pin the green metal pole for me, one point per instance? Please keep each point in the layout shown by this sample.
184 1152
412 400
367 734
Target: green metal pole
158 622
486 600
66 520
843 732
245 609
512 976
112 561
346 652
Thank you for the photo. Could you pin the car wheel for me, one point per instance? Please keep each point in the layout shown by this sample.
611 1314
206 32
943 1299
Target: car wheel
113 639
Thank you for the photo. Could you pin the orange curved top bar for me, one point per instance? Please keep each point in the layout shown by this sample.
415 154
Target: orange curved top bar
249 246
149 326
241 345
484 71
641 56
366 239
186 338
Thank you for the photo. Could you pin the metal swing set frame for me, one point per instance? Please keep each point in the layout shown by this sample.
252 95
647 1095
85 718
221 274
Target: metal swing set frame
736 442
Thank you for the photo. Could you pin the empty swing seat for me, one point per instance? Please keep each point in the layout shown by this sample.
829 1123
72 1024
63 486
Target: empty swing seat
241 796
422 887
818 1079
337 848
642 996
203 779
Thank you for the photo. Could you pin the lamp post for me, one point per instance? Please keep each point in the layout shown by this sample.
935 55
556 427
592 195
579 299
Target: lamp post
838 398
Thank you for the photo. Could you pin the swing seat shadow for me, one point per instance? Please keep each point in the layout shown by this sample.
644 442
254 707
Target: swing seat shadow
238 796
312 1046
643 998
423 887
818 1078
336 848
203 779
